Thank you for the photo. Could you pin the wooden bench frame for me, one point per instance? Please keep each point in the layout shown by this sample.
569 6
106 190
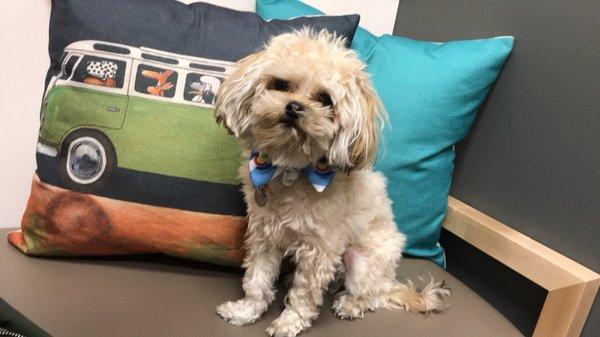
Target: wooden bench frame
571 286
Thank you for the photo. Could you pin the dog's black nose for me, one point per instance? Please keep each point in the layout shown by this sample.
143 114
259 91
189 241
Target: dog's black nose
293 109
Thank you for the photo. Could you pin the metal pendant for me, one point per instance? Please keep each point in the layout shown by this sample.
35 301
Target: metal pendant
290 177
260 196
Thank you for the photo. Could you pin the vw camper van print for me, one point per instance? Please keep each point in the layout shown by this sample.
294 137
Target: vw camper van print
115 106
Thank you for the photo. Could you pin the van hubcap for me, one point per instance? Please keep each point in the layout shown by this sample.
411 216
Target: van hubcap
86 160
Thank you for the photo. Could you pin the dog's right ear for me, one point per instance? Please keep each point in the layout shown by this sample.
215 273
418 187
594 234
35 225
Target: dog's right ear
235 95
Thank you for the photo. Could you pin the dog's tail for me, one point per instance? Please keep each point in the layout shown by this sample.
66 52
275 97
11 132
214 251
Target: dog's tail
433 297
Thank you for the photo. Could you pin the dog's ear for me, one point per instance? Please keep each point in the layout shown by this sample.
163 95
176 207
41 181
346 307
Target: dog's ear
234 98
361 116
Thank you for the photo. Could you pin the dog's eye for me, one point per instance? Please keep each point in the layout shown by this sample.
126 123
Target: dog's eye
279 85
324 98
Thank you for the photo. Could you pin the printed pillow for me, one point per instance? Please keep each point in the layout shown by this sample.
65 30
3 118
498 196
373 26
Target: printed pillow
129 158
432 92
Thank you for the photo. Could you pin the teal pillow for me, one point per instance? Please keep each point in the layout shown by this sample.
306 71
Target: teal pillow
431 91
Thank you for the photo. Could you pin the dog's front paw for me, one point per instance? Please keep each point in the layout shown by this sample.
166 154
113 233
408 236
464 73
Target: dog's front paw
288 324
347 307
242 312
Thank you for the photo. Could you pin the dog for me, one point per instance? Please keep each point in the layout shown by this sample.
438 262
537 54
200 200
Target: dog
309 120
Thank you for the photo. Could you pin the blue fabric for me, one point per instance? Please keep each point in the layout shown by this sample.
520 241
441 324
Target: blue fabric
432 92
261 173
319 179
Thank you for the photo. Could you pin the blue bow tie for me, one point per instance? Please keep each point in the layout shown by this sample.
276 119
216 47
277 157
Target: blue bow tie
262 171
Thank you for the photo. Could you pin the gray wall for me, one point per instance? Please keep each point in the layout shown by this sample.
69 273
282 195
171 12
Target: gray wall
532 159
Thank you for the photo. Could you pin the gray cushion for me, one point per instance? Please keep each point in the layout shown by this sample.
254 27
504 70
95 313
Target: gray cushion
156 296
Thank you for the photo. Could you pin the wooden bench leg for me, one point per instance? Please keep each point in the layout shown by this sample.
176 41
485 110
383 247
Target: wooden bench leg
571 286
565 310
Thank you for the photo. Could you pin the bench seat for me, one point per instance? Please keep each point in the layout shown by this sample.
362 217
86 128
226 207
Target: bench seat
162 296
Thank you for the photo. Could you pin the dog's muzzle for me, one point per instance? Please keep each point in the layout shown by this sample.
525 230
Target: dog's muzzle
293 110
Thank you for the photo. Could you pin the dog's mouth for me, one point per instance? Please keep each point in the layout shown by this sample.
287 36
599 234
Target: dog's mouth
286 120
288 142
290 123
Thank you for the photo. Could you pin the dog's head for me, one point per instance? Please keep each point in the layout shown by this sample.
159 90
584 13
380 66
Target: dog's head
304 97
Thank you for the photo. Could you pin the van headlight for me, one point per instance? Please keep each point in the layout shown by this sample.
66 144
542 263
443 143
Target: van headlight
47 149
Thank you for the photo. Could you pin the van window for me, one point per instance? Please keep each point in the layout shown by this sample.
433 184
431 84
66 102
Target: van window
67 69
201 88
207 67
155 81
62 57
160 59
112 49
100 71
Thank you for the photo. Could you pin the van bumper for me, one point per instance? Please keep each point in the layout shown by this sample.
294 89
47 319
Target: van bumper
47 150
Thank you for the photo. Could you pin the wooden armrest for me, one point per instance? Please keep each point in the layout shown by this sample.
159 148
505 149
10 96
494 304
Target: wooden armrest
571 286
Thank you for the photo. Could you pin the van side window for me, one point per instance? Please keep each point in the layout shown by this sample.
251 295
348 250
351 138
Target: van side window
200 88
100 71
67 69
155 81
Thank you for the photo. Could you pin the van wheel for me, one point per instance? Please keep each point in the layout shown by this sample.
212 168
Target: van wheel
87 160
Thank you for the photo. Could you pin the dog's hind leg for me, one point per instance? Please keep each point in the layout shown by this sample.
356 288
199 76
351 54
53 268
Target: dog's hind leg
370 272
370 278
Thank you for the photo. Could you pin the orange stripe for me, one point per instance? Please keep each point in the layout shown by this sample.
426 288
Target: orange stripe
59 220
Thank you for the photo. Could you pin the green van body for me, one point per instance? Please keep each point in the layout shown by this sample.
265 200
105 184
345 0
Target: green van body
147 134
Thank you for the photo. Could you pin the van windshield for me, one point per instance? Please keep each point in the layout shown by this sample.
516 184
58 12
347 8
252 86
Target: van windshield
100 71
68 67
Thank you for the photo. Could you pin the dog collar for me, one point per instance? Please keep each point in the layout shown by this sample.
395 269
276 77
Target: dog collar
262 171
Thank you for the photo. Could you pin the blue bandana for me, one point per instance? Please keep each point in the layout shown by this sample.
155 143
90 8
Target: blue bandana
262 171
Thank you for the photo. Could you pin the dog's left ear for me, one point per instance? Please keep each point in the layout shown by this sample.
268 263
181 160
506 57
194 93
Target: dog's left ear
360 115
234 98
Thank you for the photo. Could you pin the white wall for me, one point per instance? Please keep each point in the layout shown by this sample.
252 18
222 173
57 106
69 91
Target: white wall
24 61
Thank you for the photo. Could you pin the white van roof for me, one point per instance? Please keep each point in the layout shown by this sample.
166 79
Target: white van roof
143 53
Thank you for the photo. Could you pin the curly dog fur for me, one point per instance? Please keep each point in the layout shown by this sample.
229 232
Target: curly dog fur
347 229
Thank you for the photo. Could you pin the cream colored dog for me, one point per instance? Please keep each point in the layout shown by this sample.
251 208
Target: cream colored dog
303 98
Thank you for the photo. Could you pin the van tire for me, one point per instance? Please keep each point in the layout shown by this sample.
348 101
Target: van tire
87 160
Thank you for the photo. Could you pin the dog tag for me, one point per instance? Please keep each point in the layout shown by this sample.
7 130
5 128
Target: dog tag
290 177
260 196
